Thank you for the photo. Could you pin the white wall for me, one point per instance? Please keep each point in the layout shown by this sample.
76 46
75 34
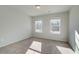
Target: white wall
63 36
14 25
73 25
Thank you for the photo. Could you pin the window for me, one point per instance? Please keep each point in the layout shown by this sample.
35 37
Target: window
38 26
55 26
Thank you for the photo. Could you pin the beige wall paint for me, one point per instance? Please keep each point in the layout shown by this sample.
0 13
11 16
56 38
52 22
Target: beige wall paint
63 36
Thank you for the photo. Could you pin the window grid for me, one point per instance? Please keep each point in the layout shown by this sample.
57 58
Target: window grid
55 26
38 26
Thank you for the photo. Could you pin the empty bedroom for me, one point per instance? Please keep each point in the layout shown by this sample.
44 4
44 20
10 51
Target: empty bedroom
39 29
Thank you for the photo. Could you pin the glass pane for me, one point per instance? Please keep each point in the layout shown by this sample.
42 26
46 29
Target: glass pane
38 26
55 25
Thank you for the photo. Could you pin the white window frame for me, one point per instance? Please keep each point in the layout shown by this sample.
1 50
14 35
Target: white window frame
38 30
54 20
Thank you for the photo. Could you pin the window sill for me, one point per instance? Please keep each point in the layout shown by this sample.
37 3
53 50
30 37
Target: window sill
55 32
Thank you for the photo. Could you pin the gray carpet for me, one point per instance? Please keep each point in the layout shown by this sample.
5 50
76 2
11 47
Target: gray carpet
37 46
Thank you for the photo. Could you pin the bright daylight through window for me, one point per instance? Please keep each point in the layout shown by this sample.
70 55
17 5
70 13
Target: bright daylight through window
55 26
38 26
